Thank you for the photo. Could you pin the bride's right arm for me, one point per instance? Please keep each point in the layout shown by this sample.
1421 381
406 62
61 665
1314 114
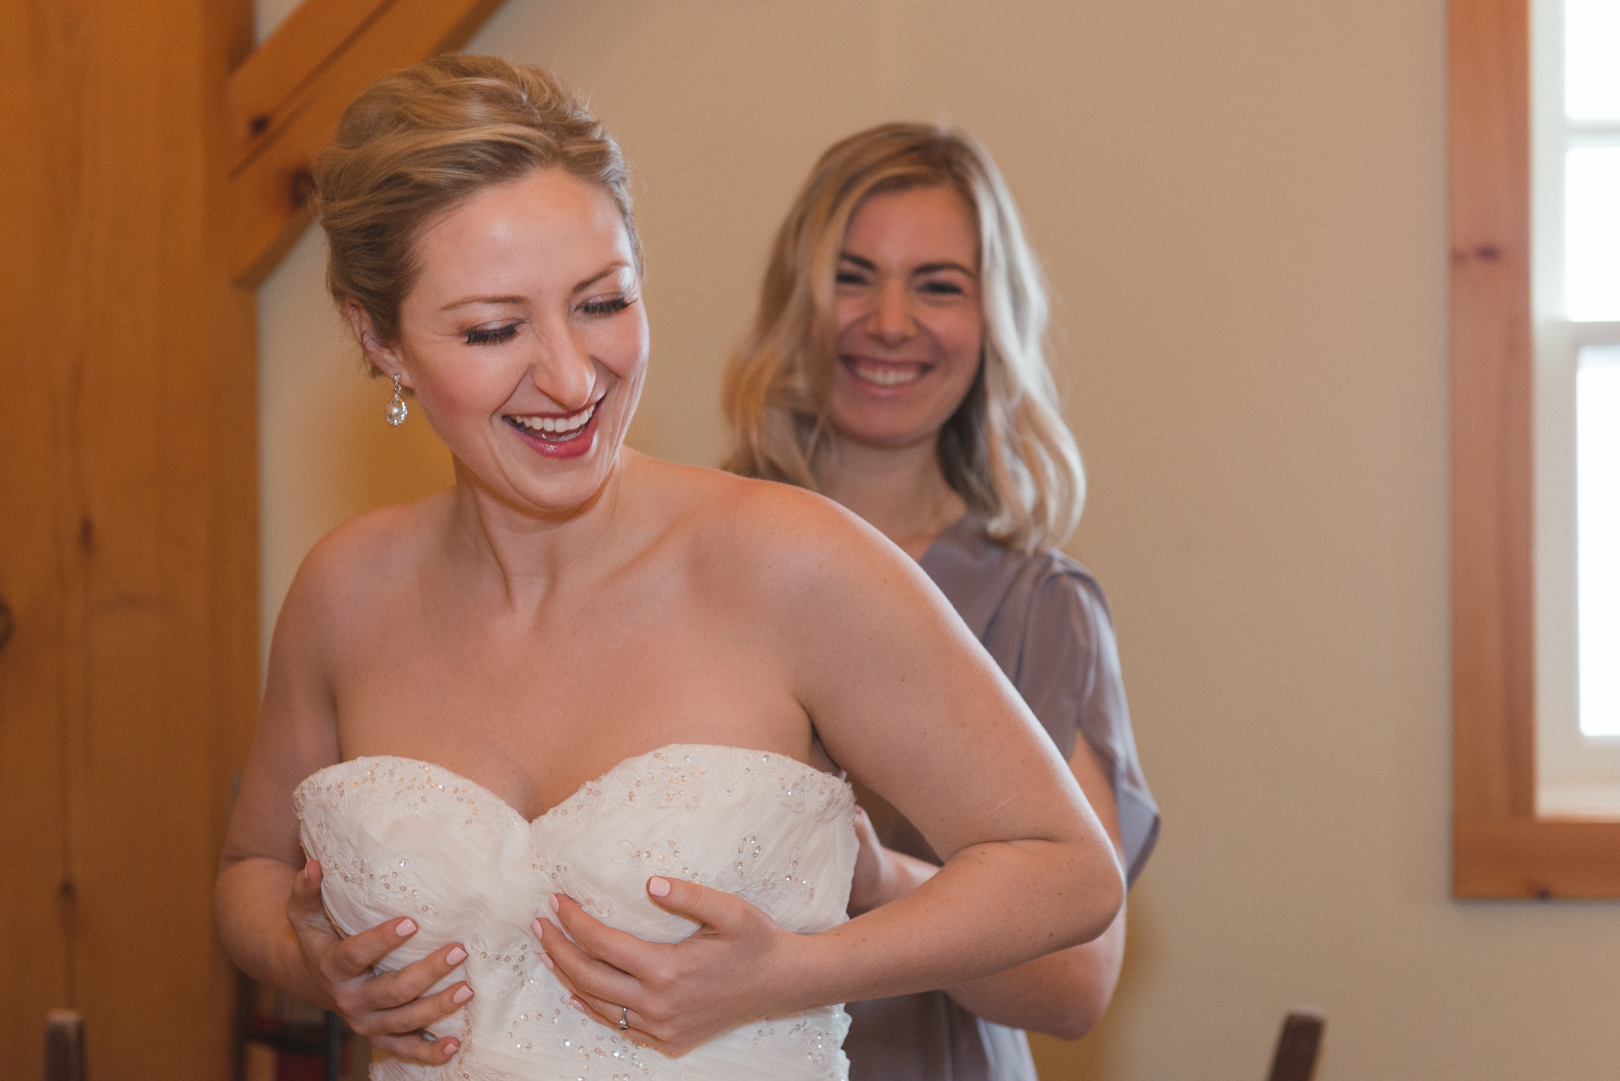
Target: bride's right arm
902 696
267 900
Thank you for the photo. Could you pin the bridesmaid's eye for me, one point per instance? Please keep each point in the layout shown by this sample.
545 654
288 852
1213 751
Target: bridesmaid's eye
849 277
490 335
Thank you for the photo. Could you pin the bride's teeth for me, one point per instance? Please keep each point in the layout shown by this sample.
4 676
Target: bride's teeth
559 425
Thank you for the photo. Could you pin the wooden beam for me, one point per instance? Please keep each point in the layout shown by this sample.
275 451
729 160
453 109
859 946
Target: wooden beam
287 97
262 92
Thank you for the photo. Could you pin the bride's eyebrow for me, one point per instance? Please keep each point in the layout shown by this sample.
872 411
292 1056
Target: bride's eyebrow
461 302
464 301
611 268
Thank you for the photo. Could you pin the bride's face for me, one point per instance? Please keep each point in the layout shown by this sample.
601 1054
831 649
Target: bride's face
525 339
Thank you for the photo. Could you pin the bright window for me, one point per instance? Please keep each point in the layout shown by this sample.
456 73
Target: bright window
1591 73
1597 538
1576 268
1592 231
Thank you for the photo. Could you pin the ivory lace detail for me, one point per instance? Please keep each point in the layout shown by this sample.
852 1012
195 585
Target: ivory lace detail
401 837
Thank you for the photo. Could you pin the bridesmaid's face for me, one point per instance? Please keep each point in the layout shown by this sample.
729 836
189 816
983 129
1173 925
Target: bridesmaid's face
525 339
908 316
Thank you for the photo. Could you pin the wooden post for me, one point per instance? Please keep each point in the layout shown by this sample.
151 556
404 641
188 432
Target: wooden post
128 526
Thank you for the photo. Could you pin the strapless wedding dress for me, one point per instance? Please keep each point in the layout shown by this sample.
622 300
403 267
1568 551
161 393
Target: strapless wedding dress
401 837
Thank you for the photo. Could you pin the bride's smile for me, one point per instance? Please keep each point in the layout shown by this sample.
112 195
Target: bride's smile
559 435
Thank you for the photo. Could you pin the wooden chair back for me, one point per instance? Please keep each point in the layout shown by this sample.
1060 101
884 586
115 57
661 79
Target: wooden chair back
1298 1045
64 1046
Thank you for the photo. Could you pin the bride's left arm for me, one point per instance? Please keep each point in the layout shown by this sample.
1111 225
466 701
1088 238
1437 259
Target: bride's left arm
903 697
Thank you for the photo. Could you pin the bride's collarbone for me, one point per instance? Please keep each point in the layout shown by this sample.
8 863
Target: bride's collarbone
553 726
534 761
628 670
652 647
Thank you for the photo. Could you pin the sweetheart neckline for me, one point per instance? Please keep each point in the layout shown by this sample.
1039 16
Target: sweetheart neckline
578 793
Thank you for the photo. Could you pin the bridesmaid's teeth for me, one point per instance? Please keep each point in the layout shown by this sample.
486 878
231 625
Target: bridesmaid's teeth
885 376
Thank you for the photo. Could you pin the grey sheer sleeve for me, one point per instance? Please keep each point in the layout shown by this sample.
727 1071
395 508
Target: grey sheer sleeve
1068 672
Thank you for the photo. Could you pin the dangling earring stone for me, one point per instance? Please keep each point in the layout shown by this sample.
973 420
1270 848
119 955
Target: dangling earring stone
397 410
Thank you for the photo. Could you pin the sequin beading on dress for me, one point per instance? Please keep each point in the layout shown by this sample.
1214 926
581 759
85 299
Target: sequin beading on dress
402 837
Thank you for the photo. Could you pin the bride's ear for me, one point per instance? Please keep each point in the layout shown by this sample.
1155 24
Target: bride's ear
382 357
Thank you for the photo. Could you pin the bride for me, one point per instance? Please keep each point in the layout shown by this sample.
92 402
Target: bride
586 697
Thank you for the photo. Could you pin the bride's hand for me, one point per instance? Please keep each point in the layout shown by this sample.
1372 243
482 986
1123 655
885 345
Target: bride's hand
387 1008
673 996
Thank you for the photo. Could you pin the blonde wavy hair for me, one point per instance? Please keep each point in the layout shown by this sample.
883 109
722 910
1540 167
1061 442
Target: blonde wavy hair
1006 450
416 143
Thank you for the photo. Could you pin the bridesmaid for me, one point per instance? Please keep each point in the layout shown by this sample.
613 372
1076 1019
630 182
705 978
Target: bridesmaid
895 365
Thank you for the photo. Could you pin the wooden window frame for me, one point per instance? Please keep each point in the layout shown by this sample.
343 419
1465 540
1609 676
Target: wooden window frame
1500 848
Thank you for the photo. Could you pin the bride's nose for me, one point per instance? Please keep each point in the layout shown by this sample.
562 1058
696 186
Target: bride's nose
564 372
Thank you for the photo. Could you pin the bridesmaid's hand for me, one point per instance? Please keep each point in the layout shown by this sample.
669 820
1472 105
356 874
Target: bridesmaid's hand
387 1008
866 888
673 996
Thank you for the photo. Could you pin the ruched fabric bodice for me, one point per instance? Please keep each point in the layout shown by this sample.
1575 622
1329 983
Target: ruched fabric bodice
402 837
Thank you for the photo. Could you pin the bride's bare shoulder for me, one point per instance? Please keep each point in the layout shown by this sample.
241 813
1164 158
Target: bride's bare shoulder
350 568
747 529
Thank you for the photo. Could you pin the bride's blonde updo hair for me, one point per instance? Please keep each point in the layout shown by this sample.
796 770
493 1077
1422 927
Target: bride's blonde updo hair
1006 450
416 143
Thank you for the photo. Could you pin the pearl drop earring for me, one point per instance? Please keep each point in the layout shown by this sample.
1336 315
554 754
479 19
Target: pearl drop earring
397 410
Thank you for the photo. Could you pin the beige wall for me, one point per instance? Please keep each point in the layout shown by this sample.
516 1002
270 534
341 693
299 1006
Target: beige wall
1242 207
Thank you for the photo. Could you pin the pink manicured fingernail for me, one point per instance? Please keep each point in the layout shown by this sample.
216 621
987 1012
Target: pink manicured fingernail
658 887
545 959
556 905
537 927
577 1004
450 1047
463 993
406 927
456 956
309 871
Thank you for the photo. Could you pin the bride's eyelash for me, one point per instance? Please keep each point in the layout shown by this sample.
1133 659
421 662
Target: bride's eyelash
490 335
605 307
